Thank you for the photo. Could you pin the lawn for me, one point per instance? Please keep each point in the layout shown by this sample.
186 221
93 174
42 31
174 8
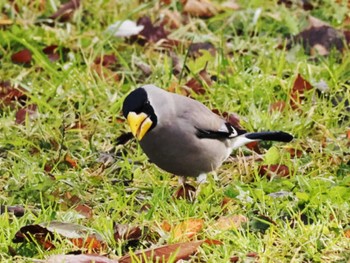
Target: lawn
73 183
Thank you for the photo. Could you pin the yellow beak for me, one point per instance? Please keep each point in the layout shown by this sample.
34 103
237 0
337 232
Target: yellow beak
139 124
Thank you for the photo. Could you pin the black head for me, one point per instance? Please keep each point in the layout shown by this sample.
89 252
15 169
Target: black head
137 101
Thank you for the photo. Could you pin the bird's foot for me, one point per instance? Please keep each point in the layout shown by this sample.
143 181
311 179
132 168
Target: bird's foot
202 178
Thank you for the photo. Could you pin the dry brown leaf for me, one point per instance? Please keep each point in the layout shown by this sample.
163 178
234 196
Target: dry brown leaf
187 229
69 160
9 94
64 13
150 32
186 191
17 210
45 234
84 210
347 36
294 152
274 170
29 111
300 86
277 106
126 232
55 53
23 56
347 233
320 40
196 84
200 8
107 60
164 253
165 226
105 73
195 49
230 222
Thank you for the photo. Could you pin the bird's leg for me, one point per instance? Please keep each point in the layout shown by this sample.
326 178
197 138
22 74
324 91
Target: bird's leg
202 178
182 180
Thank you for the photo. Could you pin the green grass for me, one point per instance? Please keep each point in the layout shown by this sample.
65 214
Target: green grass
251 73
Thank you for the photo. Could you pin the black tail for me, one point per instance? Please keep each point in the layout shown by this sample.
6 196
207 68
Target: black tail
278 136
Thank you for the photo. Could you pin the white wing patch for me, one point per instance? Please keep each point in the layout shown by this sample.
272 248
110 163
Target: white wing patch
233 133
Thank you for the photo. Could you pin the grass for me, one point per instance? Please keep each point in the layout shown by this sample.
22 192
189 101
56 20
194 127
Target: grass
306 225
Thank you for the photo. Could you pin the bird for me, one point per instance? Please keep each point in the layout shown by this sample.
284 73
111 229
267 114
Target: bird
181 135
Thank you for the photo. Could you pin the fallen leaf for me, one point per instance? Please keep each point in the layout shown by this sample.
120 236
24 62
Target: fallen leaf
230 222
195 49
234 259
124 28
212 242
187 229
12 251
277 106
9 94
305 4
347 233
45 235
54 52
319 40
23 56
126 232
105 73
29 111
254 146
275 170
347 36
186 192
107 60
294 152
200 8
196 84
164 253
84 210
35 233
226 202
69 160
297 96
166 226
17 210
65 12
82 258
51 52
150 33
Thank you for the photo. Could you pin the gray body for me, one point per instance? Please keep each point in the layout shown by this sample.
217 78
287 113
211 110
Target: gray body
173 144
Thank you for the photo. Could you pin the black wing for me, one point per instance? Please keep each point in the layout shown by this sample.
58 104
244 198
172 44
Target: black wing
228 133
